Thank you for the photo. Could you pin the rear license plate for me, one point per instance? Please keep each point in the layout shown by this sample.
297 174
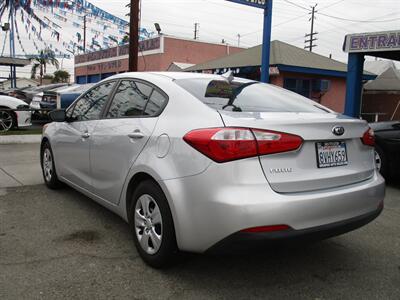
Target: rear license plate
331 154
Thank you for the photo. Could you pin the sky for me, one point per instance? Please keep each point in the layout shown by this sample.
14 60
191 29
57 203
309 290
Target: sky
220 19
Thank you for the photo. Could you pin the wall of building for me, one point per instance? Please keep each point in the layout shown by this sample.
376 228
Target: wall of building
170 50
334 98
384 103
193 52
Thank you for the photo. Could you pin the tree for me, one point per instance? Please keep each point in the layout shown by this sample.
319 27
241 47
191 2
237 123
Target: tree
41 61
61 76
125 39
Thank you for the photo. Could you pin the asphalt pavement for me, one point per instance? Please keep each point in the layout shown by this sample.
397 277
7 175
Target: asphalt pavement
62 245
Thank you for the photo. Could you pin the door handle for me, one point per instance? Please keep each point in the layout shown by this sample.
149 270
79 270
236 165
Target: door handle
136 135
85 135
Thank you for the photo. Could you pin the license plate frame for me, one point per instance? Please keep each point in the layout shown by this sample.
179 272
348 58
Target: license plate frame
335 159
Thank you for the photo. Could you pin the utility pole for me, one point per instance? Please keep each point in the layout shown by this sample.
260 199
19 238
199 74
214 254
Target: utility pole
311 36
13 69
84 33
196 30
238 36
134 36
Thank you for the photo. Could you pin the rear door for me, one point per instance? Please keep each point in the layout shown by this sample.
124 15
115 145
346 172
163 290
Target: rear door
122 134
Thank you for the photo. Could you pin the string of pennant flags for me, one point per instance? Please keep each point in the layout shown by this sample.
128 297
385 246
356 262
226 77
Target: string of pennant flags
50 18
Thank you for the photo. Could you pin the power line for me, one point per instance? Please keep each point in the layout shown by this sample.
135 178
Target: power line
276 25
295 4
359 21
330 5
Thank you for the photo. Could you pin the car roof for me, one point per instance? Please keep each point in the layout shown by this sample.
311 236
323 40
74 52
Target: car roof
171 75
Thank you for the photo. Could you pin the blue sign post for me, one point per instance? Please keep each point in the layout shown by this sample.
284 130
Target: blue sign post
267 6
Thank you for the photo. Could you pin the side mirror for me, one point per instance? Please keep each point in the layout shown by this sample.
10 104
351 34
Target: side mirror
58 115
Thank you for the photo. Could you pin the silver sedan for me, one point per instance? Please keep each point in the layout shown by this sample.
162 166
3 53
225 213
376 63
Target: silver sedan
195 162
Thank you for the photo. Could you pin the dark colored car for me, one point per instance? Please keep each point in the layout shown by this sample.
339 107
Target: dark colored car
62 97
15 92
31 92
387 147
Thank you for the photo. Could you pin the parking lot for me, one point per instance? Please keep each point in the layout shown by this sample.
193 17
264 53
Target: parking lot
60 244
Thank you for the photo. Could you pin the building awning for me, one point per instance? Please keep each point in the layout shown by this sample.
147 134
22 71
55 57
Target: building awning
178 66
387 81
10 61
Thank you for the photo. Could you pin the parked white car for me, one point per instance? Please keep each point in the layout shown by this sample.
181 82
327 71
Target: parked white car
10 117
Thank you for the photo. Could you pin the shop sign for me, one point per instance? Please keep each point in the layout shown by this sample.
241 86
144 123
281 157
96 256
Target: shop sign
254 3
145 45
372 42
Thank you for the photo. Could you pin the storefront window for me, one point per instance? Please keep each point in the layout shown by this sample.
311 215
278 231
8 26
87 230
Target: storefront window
299 86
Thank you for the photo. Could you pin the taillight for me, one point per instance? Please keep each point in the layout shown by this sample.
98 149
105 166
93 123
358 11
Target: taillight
270 142
270 228
369 138
228 143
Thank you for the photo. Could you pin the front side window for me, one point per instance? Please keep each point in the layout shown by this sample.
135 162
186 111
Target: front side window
129 100
90 105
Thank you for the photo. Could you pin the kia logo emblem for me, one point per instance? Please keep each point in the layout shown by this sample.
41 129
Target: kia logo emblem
338 130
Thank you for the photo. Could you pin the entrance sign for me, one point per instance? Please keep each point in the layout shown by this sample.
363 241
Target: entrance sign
372 42
255 3
266 46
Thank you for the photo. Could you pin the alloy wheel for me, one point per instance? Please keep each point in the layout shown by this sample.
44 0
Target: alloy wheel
6 121
47 164
148 224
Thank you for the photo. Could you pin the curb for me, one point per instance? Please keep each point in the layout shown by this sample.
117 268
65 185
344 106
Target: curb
20 139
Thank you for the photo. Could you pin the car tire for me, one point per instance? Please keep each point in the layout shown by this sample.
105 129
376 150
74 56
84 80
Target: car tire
48 167
152 225
381 161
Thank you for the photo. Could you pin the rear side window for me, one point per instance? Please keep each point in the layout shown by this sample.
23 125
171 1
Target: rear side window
129 100
136 99
155 104
247 96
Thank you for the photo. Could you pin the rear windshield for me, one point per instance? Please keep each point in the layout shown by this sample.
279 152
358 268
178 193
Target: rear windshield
247 96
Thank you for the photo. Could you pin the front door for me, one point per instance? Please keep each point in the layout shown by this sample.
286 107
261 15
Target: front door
72 141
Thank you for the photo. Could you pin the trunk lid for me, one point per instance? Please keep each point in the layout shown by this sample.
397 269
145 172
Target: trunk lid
298 171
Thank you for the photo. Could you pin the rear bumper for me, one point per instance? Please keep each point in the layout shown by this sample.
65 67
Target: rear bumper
227 198
243 240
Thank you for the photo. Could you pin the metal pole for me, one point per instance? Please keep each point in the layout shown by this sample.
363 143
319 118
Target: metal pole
134 36
266 47
196 25
355 66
